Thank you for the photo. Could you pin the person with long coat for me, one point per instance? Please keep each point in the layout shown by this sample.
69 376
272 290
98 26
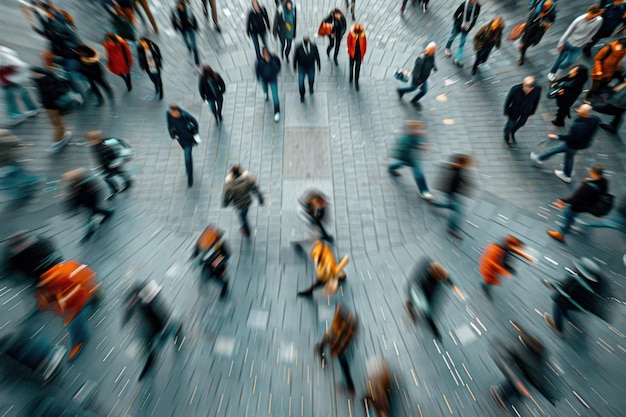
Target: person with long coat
212 89
182 127
486 38
537 24
357 45
606 66
569 88
285 27
119 58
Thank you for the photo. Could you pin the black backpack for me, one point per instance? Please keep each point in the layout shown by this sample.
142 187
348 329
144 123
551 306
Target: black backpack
603 204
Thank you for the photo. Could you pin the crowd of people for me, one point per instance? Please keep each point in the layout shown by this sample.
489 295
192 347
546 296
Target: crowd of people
69 64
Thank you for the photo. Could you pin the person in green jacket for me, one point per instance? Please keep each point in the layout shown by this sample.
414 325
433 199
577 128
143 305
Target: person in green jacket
407 151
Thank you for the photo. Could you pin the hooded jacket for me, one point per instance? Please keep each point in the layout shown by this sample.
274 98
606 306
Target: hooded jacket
424 64
238 191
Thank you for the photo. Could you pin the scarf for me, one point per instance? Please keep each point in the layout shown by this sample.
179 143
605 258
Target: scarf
467 21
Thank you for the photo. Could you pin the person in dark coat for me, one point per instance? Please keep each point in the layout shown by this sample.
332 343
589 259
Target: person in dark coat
267 70
182 127
407 151
257 26
455 183
110 160
151 62
520 104
212 89
487 37
342 331
586 195
424 64
91 68
583 290
423 288
536 26
340 26
580 135
239 187
523 361
285 27
305 58
185 22
85 191
569 88
616 106
613 15
465 18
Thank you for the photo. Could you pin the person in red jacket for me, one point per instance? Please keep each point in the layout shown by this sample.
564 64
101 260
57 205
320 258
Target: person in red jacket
495 261
357 44
119 58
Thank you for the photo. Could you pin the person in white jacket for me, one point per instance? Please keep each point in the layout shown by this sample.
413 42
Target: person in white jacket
14 74
577 35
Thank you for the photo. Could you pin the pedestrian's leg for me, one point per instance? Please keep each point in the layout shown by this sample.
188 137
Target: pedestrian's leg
96 91
357 72
404 2
213 107
275 99
102 81
257 48
561 113
422 93
522 52
568 218
572 54
617 120
521 121
188 165
13 111
194 48
559 60
558 313
433 326
420 180
568 161
264 39
148 12
548 154
79 333
351 70
264 87
612 222
345 369
288 43
508 127
108 179
455 214
403 90
308 292
219 101
243 218
453 36
301 75
394 166
28 102
459 52
331 43
311 75
214 14
127 80
336 50
154 77
160 84
56 118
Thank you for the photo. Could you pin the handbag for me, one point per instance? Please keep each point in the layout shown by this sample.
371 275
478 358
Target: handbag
325 29
553 92
517 32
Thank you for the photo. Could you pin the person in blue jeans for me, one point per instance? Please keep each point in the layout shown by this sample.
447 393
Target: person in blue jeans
465 18
182 127
305 58
424 64
267 70
185 22
578 34
579 137
407 153
454 184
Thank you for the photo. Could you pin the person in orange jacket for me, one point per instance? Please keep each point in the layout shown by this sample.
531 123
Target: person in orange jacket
357 44
495 261
606 66
328 271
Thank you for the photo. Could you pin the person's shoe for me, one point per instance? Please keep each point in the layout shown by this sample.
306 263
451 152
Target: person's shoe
76 349
127 185
457 63
353 18
411 311
276 116
448 52
224 290
551 76
426 195
550 320
147 366
336 62
301 99
311 90
400 94
189 182
520 62
608 128
513 138
497 398
58 146
218 29
474 70
266 97
244 231
416 104
534 157
356 86
307 293
31 113
557 123
556 235
328 53
394 173
561 175
486 290
350 79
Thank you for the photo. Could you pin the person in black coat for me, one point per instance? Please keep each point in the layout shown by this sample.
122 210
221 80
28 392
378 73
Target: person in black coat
338 20
85 191
185 22
579 137
258 24
151 61
569 88
182 127
305 58
109 160
520 104
267 70
212 89
584 197
613 15
537 24
91 68
424 64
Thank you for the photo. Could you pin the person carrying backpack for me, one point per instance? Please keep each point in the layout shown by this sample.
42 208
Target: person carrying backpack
606 66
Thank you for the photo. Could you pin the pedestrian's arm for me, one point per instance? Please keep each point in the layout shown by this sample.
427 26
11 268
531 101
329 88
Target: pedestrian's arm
475 16
537 92
255 190
568 32
220 84
317 59
266 18
170 127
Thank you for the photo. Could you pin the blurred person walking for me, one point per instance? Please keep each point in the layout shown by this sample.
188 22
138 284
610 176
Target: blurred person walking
342 330
606 67
615 106
542 15
566 91
119 58
613 15
328 271
586 195
257 26
577 35
379 393
424 64
464 18
146 9
14 74
205 10
453 183
339 26
212 89
305 58
357 45
111 156
91 68
185 22
14 178
406 152
238 189
350 3
580 136
285 27
267 70
496 261
151 62
616 221
182 127
487 37
521 103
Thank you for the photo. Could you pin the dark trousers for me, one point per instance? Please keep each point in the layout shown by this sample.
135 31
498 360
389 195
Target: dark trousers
243 217
127 80
481 56
558 313
345 369
93 83
216 107
110 173
155 77
613 111
513 125
312 288
355 69
188 164
285 47
333 43
306 72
